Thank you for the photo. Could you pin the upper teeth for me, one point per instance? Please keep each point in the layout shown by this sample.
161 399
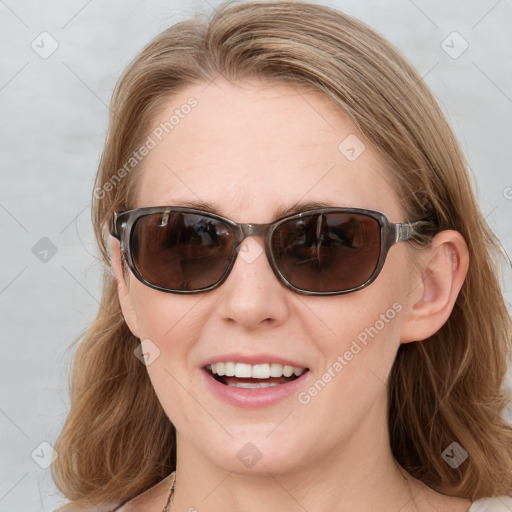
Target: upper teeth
256 371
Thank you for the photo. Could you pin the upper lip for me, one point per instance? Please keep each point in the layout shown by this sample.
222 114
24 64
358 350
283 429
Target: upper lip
253 359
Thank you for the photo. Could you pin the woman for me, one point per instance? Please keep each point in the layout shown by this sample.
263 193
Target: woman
301 308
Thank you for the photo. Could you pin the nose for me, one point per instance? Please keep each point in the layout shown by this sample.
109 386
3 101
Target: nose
252 295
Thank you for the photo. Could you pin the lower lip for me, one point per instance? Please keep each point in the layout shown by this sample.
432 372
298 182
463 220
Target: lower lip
255 397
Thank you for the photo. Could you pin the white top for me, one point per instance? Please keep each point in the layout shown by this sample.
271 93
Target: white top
499 504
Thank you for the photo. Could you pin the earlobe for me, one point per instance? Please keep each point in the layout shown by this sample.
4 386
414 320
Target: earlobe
122 288
443 270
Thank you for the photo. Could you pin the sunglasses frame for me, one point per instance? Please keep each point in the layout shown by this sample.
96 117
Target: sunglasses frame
123 223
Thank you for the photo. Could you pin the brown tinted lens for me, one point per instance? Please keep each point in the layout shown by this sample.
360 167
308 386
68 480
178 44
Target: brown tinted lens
327 252
181 251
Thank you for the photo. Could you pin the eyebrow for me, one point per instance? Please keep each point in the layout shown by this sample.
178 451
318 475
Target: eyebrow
282 211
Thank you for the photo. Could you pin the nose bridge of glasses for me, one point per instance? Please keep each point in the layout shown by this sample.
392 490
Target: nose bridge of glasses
254 229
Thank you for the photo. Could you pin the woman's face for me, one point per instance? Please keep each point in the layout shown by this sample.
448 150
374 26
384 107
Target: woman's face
251 149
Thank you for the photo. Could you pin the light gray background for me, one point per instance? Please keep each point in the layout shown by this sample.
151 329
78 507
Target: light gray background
53 123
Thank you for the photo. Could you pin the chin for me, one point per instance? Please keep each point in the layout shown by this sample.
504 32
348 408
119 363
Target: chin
258 454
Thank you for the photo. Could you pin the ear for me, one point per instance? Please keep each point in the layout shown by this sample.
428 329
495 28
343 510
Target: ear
444 266
122 288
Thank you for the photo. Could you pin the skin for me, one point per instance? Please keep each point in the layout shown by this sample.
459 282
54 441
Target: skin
251 148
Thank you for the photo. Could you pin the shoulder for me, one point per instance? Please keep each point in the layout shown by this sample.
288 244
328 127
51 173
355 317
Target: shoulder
496 504
101 507
153 497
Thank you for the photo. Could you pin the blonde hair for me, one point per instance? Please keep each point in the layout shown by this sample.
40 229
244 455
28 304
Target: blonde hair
117 441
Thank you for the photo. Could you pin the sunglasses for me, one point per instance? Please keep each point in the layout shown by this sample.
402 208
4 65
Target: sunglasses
327 251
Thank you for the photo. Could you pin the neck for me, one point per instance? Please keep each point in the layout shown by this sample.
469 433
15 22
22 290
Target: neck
361 474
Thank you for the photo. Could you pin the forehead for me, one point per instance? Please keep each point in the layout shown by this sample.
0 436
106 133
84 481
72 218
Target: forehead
252 148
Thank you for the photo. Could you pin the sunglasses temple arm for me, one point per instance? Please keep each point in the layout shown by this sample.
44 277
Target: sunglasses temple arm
114 228
404 231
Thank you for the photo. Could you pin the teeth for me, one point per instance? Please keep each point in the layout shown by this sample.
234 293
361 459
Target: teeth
221 369
253 385
276 370
288 371
256 371
230 369
243 370
260 371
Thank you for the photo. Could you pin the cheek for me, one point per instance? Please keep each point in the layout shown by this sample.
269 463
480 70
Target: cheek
160 315
360 326
348 391
169 326
357 350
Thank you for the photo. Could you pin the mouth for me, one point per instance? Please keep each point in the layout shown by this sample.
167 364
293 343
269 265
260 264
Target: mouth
253 376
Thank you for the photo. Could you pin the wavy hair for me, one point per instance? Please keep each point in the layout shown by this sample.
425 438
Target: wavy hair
117 441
